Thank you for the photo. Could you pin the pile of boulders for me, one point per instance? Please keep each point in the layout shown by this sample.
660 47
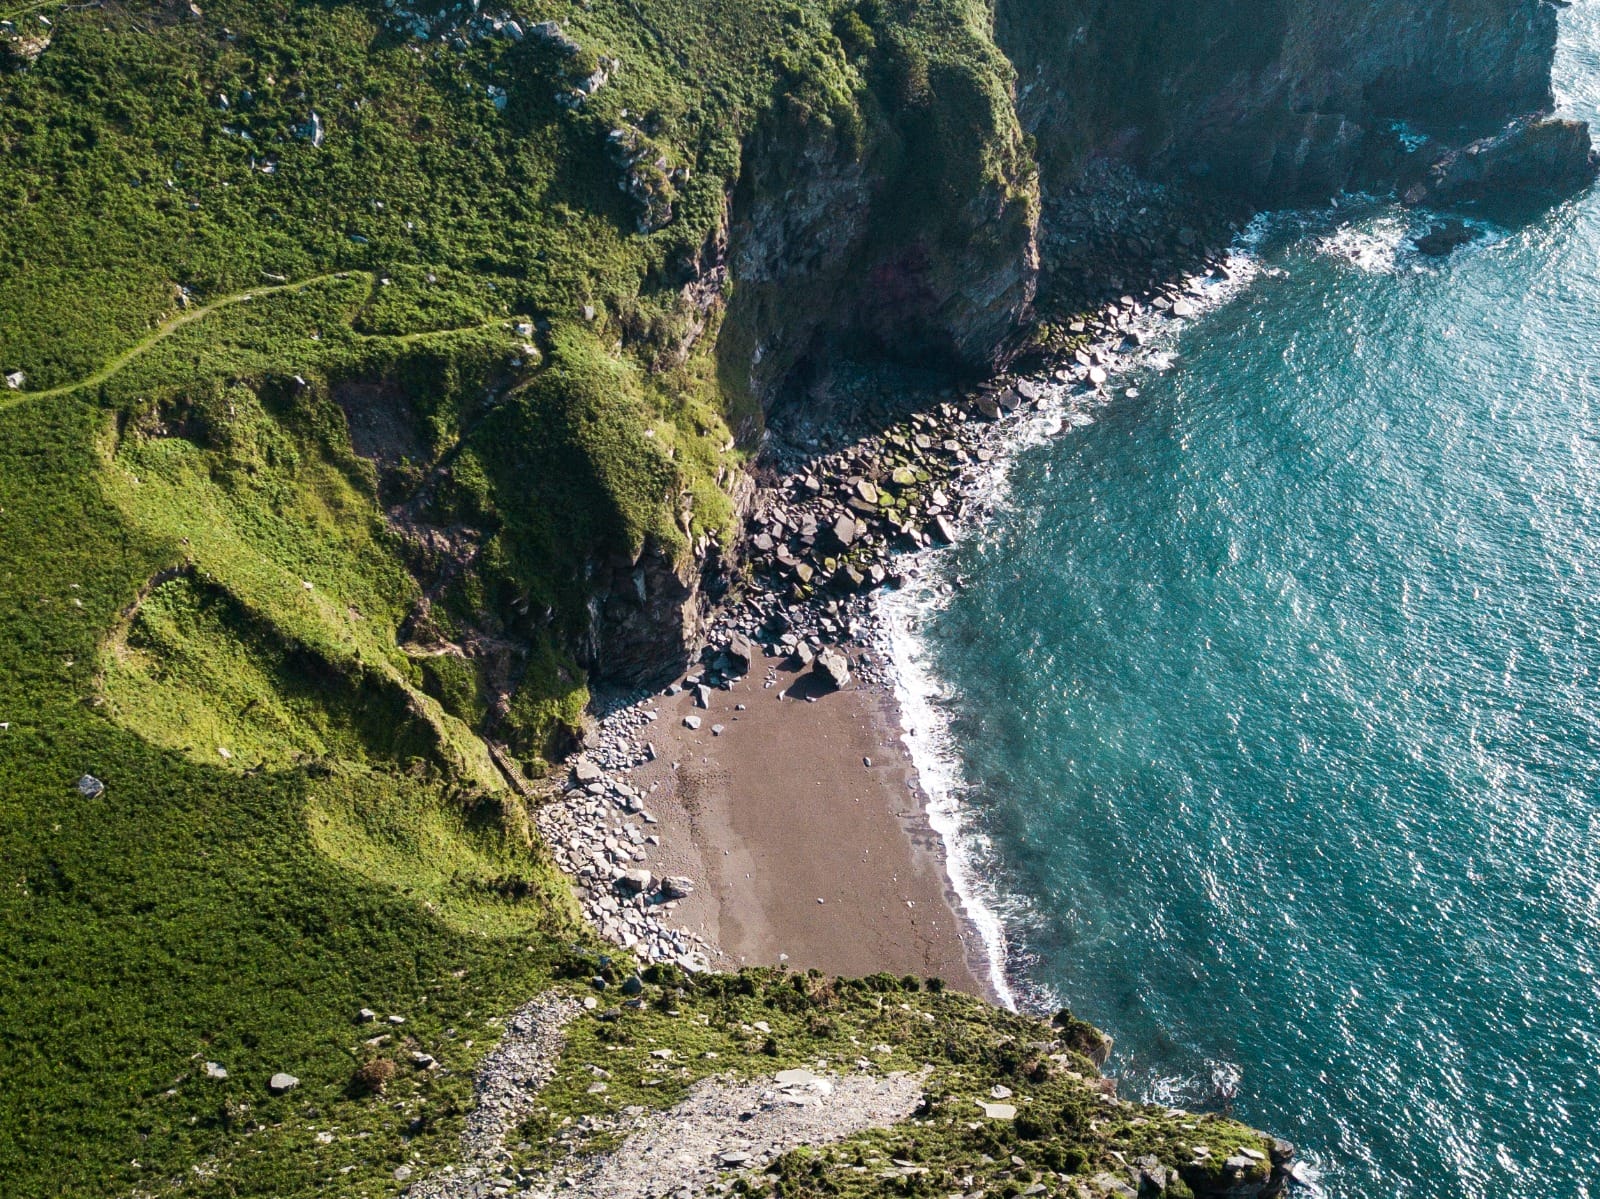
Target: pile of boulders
599 833
456 27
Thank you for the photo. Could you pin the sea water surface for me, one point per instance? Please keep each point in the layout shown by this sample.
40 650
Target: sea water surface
1269 703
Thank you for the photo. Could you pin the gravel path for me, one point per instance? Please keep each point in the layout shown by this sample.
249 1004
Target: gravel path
509 1080
726 1127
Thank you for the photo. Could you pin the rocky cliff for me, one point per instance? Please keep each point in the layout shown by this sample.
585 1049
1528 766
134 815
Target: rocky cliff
1269 100
1069 141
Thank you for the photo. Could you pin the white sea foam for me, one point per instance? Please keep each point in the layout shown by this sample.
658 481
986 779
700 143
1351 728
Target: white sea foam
927 737
1379 239
1378 246
1062 408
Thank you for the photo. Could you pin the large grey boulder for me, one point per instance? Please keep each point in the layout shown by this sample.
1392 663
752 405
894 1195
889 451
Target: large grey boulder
832 667
636 880
741 652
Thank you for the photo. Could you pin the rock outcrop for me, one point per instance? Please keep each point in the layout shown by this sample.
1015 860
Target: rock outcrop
1534 155
1269 100
910 235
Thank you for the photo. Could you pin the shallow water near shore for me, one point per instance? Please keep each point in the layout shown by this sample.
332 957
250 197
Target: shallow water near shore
1267 717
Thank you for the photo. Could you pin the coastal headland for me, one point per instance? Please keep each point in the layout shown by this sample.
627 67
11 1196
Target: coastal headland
447 454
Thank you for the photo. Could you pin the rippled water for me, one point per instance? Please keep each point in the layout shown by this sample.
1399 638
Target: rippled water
1275 698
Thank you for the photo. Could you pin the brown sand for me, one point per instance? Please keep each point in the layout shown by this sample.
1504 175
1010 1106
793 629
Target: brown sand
781 811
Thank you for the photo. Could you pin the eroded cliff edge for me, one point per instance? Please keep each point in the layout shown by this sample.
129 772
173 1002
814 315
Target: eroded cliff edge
1074 151
377 376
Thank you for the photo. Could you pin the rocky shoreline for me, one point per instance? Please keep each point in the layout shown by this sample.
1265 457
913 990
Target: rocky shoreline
823 533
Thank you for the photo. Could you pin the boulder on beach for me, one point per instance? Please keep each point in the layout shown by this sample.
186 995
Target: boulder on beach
741 652
832 667
636 880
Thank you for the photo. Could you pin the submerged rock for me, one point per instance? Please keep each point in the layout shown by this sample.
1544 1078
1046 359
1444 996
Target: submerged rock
1440 240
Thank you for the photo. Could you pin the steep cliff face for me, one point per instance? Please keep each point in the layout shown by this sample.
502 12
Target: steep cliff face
1267 99
902 215
904 228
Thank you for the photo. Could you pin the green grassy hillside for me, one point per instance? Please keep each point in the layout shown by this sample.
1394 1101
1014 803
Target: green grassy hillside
343 343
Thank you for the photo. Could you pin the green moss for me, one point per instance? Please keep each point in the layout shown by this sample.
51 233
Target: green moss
457 684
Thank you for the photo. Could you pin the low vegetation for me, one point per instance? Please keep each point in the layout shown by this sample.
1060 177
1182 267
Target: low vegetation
344 342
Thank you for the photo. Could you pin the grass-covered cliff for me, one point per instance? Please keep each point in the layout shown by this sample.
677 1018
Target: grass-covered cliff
354 352
374 375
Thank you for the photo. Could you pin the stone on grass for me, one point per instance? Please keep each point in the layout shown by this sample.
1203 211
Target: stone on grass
215 1070
280 1083
90 787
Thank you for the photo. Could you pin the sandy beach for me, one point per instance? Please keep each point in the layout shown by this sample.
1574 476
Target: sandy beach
802 852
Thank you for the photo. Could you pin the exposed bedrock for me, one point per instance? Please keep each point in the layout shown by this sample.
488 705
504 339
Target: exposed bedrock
1269 99
918 226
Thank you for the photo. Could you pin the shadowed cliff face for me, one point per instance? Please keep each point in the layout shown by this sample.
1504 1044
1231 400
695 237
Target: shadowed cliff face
915 226
1268 99
914 240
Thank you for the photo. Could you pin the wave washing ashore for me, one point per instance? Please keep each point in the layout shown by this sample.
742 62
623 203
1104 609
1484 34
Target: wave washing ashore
768 807
1131 335
1258 709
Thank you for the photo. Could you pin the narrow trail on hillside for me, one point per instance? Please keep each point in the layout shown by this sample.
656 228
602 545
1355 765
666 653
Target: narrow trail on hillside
166 329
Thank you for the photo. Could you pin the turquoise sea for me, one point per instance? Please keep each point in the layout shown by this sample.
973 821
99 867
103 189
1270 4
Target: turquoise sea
1263 706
